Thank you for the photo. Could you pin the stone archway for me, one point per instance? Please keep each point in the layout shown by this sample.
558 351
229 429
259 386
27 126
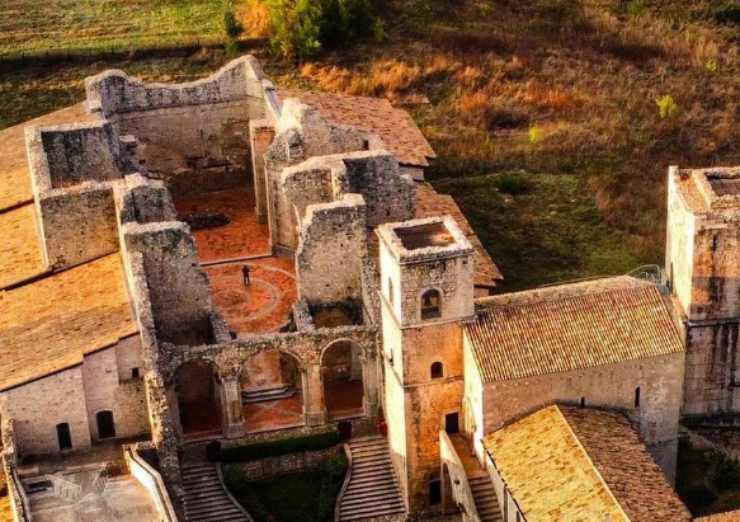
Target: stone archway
198 401
342 376
273 392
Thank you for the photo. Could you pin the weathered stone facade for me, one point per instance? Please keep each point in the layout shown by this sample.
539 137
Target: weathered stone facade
702 266
395 295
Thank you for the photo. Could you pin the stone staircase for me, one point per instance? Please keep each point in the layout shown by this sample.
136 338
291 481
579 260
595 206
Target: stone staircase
372 490
206 499
268 394
485 499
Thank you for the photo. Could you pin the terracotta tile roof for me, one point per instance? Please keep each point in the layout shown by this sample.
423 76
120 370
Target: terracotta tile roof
49 324
565 463
729 516
20 251
548 473
625 465
15 184
374 115
430 203
568 327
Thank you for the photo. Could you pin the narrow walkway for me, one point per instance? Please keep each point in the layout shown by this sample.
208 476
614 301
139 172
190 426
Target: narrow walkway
481 486
373 490
206 500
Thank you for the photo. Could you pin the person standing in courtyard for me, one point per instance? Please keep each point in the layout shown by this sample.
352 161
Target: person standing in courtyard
245 276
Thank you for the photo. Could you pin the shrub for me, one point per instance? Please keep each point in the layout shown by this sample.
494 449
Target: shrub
296 27
301 27
510 184
667 108
280 447
332 477
536 135
232 27
726 474
698 496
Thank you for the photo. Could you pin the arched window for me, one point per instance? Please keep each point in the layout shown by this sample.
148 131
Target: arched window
637 397
437 370
431 303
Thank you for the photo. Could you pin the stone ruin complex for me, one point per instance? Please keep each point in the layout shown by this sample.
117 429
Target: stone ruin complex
322 284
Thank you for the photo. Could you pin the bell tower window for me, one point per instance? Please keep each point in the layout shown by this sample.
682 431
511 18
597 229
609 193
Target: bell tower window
431 305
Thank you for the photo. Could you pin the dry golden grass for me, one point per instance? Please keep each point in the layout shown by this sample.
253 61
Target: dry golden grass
255 17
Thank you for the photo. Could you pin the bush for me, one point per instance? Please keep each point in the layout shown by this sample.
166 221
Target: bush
333 471
302 27
667 108
232 27
698 496
725 475
509 184
280 447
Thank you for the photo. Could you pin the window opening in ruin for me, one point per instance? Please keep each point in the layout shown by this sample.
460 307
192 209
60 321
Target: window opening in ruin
583 402
135 373
342 377
637 397
106 427
430 305
714 243
435 492
437 370
452 423
64 437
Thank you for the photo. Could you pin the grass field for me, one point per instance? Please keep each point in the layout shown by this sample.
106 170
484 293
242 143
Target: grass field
559 94
30 28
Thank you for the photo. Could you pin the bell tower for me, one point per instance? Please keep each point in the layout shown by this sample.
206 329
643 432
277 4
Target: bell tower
426 270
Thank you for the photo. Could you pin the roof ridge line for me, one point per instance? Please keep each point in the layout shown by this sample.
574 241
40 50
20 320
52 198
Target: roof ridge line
601 478
598 290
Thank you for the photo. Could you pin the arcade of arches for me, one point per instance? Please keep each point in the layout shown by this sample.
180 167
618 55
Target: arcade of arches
275 389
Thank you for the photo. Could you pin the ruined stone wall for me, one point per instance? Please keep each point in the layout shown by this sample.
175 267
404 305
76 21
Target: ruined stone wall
38 407
73 154
660 380
712 368
78 224
74 170
195 134
330 251
375 175
178 288
109 388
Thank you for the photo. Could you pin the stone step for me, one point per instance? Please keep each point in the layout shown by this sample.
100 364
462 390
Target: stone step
357 503
268 394
378 486
378 479
371 511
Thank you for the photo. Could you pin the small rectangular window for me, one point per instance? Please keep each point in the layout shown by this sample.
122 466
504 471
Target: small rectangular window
637 397
135 373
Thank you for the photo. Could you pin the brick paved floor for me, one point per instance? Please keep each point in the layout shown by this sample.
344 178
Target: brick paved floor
343 398
261 307
242 237
269 415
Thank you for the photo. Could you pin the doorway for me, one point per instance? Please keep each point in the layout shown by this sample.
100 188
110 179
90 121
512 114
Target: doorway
106 427
452 423
64 437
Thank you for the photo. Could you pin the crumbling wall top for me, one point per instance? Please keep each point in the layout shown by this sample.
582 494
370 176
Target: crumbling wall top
114 92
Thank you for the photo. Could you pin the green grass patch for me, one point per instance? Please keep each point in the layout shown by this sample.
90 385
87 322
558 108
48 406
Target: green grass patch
307 497
707 481
29 28
541 228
